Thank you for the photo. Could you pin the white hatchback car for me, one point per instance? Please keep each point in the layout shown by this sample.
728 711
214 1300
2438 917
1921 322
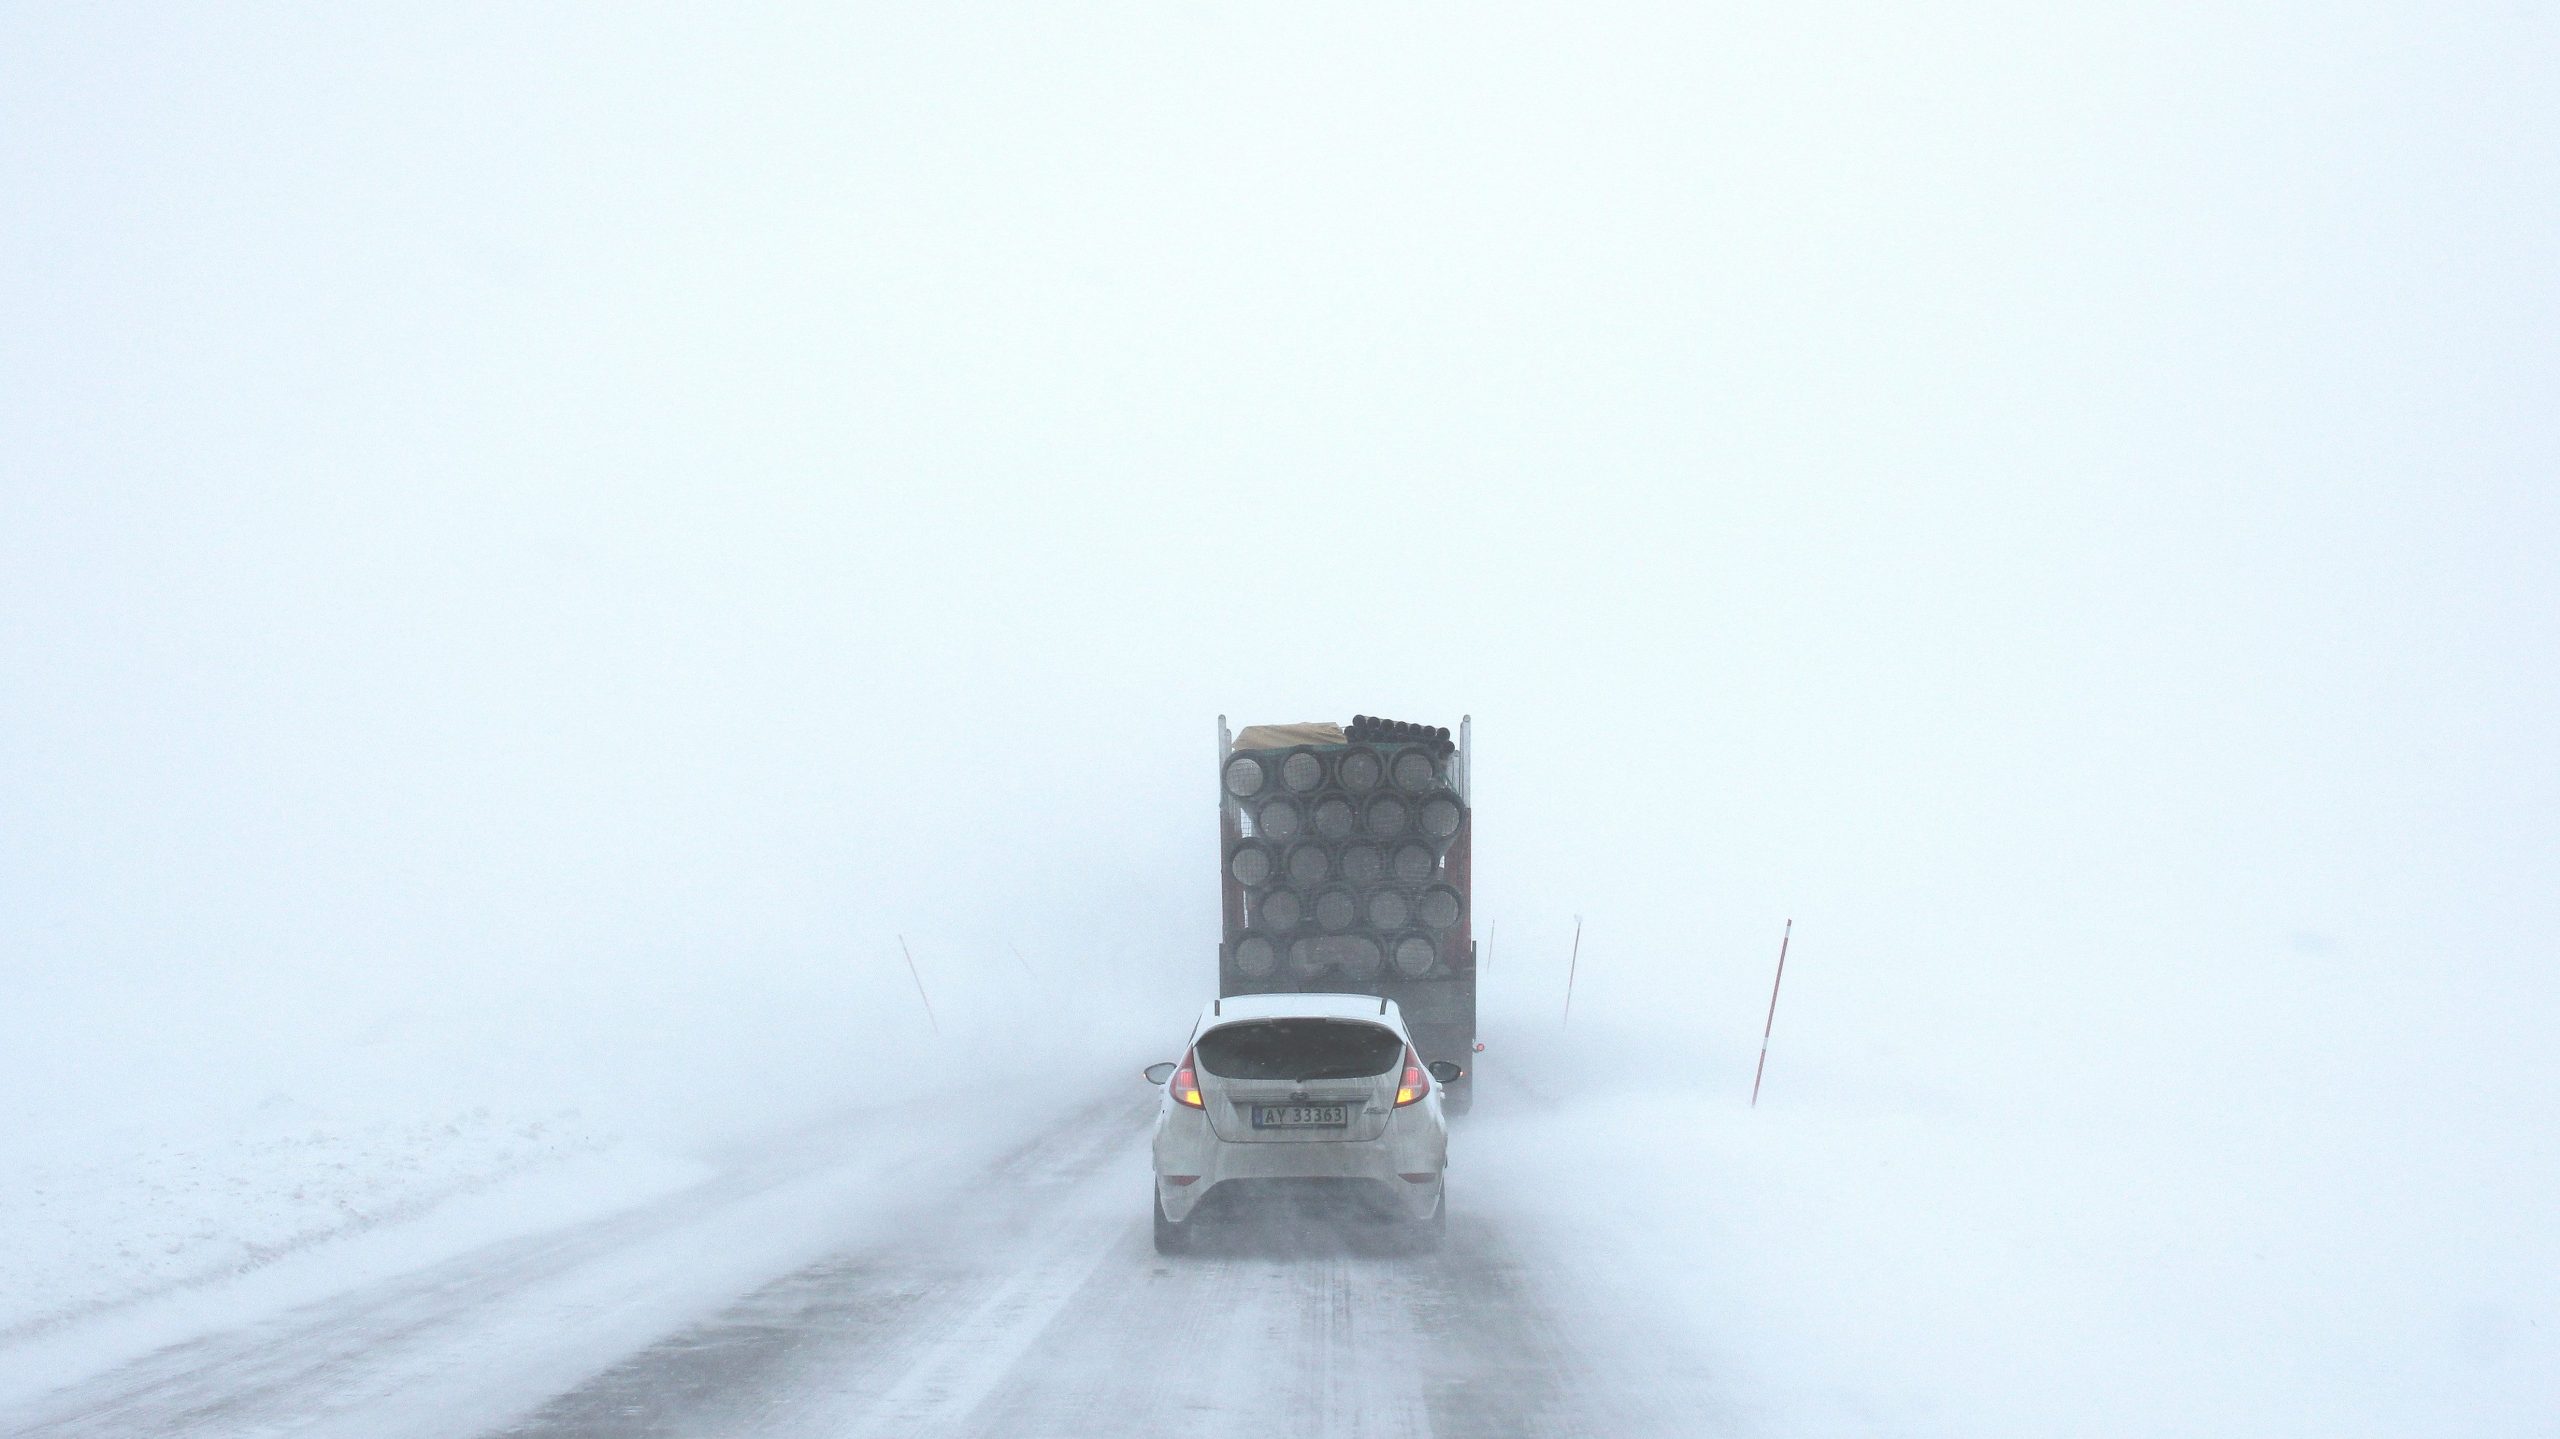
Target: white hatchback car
1320 1093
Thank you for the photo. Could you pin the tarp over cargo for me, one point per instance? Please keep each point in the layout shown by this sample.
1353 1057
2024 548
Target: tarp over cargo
1283 736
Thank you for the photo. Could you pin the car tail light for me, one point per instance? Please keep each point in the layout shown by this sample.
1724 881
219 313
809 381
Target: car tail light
1415 1083
1186 1081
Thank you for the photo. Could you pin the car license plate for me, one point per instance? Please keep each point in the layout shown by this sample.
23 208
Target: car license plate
1301 1116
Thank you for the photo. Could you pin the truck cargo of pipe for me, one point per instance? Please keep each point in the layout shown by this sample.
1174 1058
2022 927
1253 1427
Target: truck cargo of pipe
1340 843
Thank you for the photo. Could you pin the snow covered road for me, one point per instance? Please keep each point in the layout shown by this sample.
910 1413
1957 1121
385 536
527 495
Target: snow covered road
846 1287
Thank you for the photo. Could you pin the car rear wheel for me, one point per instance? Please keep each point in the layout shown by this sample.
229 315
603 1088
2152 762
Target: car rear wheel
1425 1234
1171 1238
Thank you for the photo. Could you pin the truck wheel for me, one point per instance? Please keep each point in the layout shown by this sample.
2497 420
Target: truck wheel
1171 1238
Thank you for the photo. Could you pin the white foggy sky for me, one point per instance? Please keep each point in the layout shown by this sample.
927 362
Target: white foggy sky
575 494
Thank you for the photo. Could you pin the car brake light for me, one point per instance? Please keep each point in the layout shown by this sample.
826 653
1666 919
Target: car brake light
1186 1084
1415 1083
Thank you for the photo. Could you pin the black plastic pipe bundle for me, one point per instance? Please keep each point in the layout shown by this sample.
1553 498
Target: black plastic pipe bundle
1370 729
1339 858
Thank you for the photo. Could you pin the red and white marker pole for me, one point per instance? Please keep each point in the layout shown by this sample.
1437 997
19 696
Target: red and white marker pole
1772 1022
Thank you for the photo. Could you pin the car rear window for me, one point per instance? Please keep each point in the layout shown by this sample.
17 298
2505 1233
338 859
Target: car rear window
1299 1049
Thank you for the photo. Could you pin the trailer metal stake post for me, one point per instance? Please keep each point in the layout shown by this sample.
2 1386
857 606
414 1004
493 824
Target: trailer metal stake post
1572 967
918 977
1772 1021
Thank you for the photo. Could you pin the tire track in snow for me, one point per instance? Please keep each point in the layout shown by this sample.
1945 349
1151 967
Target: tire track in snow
1039 1307
1006 1297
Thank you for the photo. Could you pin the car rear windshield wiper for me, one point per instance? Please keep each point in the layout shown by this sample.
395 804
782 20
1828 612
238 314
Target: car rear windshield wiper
1341 1071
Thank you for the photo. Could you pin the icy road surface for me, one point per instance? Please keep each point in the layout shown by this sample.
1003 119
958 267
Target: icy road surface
1014 1294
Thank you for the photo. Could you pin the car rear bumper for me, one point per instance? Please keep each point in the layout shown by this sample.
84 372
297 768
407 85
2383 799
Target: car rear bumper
1414 1145
1317 1203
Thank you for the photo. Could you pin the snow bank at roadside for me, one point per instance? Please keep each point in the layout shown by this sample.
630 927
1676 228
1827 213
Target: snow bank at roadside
149 1208
165 1149
2280 1236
